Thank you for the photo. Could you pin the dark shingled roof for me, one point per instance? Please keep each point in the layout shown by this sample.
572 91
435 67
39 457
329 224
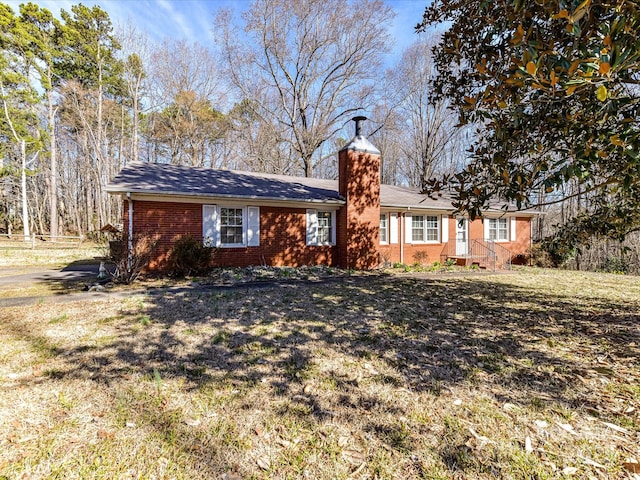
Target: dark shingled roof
166 179
394 196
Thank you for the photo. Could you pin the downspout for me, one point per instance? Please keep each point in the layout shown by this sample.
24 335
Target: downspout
130 236
401 232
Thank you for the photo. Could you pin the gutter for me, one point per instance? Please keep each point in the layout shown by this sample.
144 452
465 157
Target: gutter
212 197
449 211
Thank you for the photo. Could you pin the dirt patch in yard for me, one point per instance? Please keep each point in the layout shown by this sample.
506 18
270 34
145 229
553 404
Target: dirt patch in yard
530 375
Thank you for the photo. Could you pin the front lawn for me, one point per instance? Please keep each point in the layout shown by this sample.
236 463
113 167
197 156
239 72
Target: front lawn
533 374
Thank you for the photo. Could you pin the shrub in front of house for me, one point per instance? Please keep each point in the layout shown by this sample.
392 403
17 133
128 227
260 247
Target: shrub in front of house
128 264
189 256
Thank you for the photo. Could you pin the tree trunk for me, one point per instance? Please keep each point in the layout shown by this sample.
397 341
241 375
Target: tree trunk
23 185
134 139
53 172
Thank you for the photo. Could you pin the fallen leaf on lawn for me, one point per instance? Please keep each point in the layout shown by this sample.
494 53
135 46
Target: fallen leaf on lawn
354 457
192 422
567 428
481 438
509 407
370 369
343 441
631 465
588 461
307 389
263 462
541 424
102 434
130 424
630 410
615 427
284 443
527 445
231 476
457 402
258 431
570 470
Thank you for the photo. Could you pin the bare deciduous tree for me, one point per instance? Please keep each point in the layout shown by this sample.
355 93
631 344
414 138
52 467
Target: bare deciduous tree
427 140
136 59
307 66
184 89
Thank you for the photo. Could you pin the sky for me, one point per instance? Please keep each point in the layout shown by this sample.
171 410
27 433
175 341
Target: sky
192 20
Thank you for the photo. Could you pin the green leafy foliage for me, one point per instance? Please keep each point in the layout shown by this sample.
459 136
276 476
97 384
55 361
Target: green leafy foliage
18 94
91 49
553 87
189 256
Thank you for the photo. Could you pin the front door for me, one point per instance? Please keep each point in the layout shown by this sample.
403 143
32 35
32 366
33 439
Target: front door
462 242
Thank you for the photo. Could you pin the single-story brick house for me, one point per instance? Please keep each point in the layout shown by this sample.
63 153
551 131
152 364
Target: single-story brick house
353 222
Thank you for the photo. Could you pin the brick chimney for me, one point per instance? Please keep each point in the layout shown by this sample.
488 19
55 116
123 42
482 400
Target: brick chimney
358 234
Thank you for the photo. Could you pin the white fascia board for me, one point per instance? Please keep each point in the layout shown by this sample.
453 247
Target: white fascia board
181 197
413 208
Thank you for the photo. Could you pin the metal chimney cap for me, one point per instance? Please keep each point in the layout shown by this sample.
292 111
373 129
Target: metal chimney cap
359 143
359 119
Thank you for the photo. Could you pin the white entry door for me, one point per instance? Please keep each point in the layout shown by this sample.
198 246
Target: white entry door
462 237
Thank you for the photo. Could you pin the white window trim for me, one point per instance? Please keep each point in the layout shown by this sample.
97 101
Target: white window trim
212 228
386 216
487 228
409 229
312 228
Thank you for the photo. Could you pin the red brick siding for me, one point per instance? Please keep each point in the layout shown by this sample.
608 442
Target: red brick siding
391 252
476 230
164 223
282 235
522 244
359 220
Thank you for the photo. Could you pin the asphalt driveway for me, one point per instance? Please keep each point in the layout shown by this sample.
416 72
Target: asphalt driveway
26 277
16 275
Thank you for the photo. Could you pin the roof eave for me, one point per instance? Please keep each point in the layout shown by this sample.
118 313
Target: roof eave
253 198
408 207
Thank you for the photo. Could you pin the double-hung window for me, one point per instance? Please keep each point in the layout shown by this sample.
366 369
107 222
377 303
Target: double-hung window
321 227
498 229
425 228
432 229
325 227
384 228
417 228
230 226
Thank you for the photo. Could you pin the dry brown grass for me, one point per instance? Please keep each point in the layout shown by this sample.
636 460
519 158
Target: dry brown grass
527 375
51 255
